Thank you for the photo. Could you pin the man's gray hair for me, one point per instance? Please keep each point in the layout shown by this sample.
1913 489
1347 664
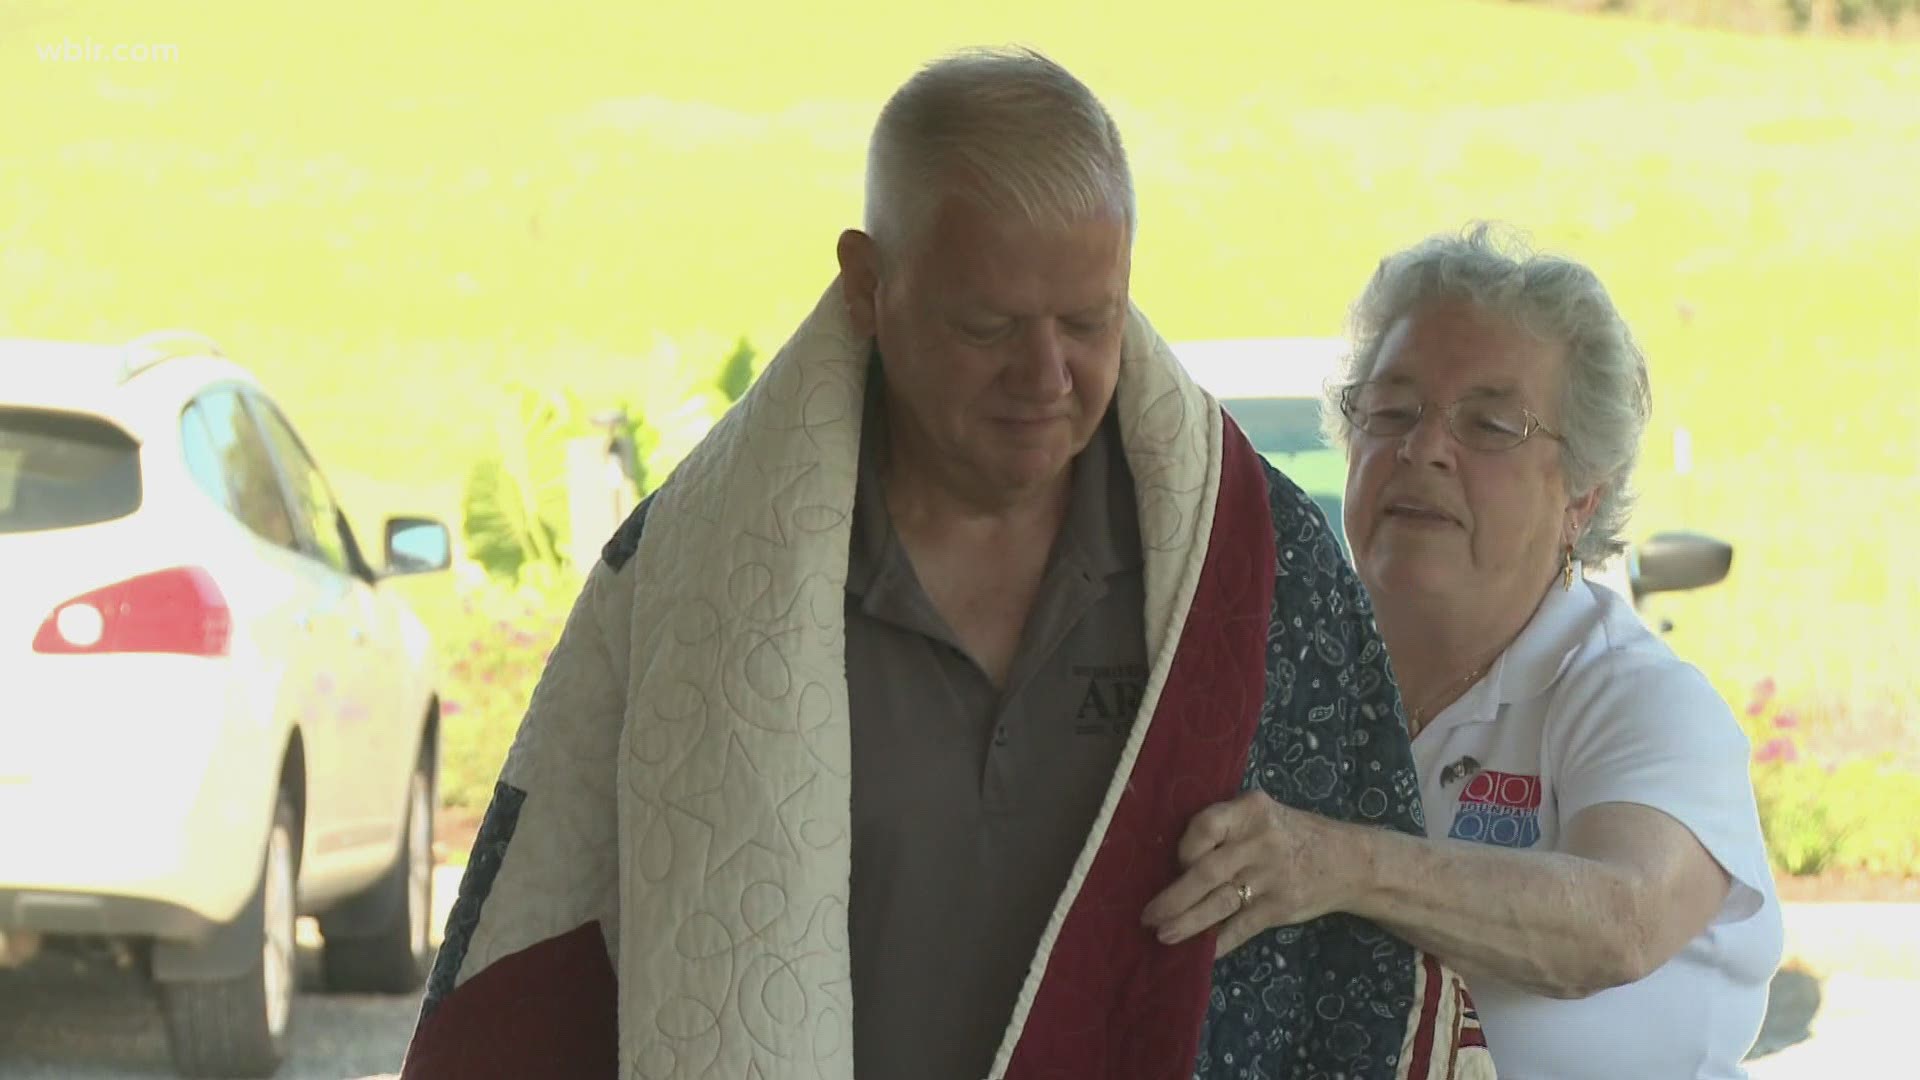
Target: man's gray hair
1604 409
1008 129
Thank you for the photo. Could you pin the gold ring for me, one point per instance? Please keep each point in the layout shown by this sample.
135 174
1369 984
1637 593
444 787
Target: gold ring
1245 892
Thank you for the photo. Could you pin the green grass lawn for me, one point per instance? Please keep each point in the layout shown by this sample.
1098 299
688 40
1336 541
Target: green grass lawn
391 211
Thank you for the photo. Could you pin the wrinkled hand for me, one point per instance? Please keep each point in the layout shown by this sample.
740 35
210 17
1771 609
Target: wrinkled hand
1298 866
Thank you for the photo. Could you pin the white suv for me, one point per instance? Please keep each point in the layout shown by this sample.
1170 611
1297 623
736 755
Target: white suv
213 716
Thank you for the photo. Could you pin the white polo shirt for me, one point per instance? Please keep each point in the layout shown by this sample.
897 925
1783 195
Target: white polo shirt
1586 707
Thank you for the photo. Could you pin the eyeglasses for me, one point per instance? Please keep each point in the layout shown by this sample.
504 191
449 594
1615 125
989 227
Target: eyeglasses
1480 422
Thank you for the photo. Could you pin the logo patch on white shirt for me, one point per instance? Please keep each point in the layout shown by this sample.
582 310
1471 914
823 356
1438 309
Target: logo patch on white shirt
1499 808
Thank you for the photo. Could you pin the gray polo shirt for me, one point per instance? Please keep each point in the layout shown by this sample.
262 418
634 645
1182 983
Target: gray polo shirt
970 804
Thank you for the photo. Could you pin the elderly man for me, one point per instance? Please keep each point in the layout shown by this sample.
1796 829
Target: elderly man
877 730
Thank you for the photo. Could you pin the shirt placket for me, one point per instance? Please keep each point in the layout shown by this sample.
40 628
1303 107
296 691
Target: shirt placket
1068 592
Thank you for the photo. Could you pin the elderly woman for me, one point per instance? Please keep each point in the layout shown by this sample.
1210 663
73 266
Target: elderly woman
1594 862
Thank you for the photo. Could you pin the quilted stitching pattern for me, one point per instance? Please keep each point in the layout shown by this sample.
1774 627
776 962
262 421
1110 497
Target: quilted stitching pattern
558 874
734 772
1115 1002
733 765
1168 433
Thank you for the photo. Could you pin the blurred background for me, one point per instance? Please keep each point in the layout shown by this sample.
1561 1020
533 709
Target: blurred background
453 239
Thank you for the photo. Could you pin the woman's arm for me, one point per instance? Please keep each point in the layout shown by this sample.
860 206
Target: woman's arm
1632 888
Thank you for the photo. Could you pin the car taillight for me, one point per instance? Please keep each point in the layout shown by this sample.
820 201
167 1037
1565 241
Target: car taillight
169 611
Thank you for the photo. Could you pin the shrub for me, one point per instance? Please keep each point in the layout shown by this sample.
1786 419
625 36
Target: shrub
515 509
1890 10
493 655
1848 13
1861 814
520 585
1805 834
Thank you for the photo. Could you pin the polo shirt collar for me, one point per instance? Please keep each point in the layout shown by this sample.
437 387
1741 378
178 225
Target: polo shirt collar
1536 659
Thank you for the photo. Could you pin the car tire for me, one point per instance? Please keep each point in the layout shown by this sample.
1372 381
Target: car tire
396 957
237 1027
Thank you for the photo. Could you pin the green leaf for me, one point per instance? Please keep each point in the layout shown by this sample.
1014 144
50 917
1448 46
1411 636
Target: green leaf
515 505
495 521
736 373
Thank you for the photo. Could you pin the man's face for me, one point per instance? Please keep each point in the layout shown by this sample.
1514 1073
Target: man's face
1001 342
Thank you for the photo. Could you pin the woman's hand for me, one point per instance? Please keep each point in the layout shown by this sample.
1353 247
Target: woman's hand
1290 866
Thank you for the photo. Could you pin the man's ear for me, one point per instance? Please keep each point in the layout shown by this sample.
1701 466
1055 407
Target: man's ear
860 280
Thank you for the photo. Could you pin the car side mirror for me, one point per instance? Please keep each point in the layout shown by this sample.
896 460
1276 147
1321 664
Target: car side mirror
417 546
1676 562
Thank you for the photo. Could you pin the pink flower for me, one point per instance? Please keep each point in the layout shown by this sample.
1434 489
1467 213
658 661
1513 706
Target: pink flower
449 708
1779 750
1786 721
1762 694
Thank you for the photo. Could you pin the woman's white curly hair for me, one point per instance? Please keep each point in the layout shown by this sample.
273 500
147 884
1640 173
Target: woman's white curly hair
1607 401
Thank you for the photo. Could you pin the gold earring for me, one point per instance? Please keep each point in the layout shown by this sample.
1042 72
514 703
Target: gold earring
1566 580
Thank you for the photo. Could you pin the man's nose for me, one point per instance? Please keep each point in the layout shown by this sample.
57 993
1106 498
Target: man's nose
1039 367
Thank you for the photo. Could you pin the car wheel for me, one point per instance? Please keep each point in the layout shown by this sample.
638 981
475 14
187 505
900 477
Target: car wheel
395 958
237 1027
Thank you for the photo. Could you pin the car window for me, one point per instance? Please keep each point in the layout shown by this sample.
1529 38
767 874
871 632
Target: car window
1279 425
312 499
59 471
229 460
1286 431
202 457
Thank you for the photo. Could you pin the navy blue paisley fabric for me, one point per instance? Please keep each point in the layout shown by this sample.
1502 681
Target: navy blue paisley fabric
626 539
1330 998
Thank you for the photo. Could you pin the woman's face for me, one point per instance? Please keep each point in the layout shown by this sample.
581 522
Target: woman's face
1483 532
